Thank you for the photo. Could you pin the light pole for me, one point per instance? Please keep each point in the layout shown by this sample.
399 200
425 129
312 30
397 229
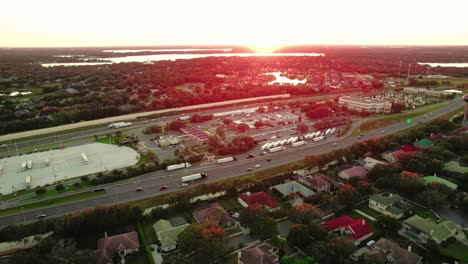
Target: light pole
24 217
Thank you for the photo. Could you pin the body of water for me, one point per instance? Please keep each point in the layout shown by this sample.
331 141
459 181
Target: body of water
285 80
172 57
435 64
163 50
455 215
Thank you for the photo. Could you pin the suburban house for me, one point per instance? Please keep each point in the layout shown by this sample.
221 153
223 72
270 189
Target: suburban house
354 172
359 230
370 163
423 143
388 251
387 204
168 230
258 199
293 187
431 179
320 182
263 253
392 156
214 214
437 231
123 244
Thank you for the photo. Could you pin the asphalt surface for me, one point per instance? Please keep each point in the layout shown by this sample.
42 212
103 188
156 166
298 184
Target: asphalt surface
121 192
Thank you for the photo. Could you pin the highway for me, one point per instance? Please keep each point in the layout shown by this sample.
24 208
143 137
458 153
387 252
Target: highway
121 192
10 145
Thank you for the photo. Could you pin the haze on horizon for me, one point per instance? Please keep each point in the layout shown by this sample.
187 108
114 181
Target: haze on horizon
262 24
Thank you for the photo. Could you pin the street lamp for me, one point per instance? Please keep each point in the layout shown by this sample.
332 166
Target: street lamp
24 217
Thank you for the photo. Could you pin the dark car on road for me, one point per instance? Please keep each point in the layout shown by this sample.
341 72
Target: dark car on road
40 216
164 187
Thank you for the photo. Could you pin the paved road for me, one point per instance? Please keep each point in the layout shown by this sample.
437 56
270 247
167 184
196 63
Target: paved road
125 191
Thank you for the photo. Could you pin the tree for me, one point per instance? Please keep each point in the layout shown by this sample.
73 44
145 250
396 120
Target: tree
306 260
263 228
202 244
40 191
247 216
302 128
242 127
397 107
59 187
220 132
348 195
388 225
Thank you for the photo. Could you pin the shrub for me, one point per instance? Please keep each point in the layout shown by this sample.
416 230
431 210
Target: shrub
41 191
84 178
59 187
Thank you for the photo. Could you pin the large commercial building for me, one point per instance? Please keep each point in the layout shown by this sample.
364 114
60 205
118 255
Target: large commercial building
365 104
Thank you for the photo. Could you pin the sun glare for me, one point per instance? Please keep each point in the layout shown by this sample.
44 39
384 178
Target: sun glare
264 48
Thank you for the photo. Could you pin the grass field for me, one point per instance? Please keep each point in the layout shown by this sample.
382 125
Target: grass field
393 119
230 204
68 188
455 250
445 81
56 201
148 229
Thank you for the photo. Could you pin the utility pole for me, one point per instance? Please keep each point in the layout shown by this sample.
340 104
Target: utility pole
407 77
24 217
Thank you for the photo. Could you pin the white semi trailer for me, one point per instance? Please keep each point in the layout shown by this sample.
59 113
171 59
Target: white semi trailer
178 166
193 177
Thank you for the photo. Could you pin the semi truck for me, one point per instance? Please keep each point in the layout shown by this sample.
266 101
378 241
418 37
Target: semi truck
224 160
298 143
193 177
318 138
276 149
178 166
333 130
120 124
29 164
84 158
184 118
23 166
327 132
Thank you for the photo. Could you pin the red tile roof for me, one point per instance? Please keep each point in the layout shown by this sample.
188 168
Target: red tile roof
359 228
107 246
339 222
408 148
260 198
356 171
356 228
214 214
434 138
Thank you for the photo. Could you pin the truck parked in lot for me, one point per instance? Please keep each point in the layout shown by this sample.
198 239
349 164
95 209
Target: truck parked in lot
298 143
23 166
84 158
224 160
193 177
276 149
318 138
29 164
120 124
178 166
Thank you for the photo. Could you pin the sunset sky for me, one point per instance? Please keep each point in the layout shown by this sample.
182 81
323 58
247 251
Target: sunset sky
255 23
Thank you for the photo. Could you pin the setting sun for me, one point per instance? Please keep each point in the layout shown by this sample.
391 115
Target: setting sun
264 48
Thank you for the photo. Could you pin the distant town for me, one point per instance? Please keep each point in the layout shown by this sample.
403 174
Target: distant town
219 155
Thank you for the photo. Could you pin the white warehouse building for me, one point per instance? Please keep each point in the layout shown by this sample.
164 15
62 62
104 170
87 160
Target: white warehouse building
365 104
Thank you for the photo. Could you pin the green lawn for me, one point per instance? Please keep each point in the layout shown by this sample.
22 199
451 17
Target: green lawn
10 196
50 202
364 207
452 81
230 204
455 250
394 118
150 235
68 188
231 231
427 214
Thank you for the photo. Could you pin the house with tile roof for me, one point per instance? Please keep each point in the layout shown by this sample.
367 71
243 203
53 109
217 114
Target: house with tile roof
214 214
432 179
261 199
387 204
388 251
354 172
263 253
320 182
359 230
167 232
122 244
437 231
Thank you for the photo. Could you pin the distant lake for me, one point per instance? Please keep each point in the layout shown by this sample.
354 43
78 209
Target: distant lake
163 50
172 57
459 65
285 80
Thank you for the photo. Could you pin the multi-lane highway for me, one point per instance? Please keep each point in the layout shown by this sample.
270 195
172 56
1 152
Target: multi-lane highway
126 191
